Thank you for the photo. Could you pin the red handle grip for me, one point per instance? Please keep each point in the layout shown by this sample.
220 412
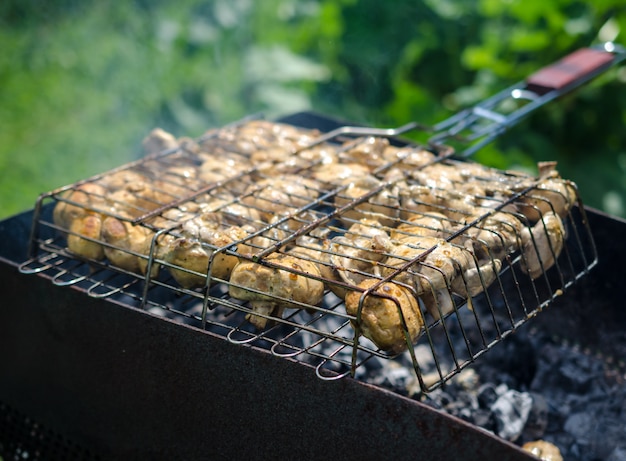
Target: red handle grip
575 66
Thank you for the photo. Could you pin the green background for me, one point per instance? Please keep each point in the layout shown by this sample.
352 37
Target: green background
82 82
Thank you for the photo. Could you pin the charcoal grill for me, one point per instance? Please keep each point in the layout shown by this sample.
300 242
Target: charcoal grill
131 312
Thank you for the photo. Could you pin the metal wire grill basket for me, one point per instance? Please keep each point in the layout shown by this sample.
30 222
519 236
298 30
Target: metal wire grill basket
333 250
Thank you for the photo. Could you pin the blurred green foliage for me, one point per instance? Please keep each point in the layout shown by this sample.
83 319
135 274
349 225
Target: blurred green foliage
82 82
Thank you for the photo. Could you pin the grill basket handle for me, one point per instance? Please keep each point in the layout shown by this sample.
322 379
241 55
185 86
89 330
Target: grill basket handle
579 66
477 126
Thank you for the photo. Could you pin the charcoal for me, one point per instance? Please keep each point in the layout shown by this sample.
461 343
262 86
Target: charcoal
394 377
566 443
466 414
618 454
578 373
438 399
464 403
579 425
533 387
605 435
556 419
537 418
511 411
485 419
514 361
487 395
563 369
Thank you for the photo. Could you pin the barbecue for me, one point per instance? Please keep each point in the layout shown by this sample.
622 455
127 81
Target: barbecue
345 250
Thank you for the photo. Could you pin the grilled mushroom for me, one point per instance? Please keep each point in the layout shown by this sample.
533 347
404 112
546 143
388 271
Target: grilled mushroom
383 206
552 194
494 236
543 450
422 225
382 313
84 236
440 269
197 248
542 244
336 174
318 252
159 140
285 279
280 195
87 198
129 245
135 199
368 151
80 211
121 179
409 157
419 199
222 168
355 255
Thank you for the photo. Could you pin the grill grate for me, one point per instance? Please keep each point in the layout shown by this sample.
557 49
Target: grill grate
274 236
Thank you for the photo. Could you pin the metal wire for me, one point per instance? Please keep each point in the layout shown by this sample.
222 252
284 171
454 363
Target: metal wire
278 204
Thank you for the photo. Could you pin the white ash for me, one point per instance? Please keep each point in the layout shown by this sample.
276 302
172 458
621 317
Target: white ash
511 410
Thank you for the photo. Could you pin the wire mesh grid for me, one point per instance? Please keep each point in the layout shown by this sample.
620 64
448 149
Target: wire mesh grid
331 253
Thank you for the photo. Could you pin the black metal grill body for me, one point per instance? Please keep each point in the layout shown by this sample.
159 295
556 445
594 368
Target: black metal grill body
121 383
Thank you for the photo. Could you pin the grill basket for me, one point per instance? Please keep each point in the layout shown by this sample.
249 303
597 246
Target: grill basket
258 231
329 244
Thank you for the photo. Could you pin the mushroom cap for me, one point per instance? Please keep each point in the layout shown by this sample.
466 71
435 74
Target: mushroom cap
382 312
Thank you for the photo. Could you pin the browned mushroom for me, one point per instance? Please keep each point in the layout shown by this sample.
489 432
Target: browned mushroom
543 450
200 249
129 245
282 282
382 206
542 244
83 239
382 313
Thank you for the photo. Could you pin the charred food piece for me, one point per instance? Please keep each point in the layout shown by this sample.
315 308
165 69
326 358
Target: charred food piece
384 314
